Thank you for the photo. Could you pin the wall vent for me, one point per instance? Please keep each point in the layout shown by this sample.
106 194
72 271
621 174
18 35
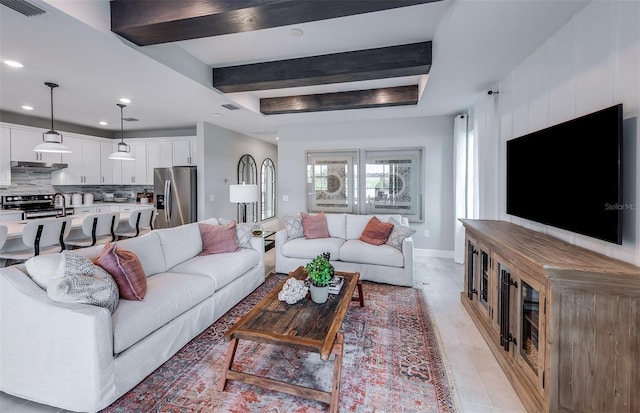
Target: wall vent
126 119
23 7
230 106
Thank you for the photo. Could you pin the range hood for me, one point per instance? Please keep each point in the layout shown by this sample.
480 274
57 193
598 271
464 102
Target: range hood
36 166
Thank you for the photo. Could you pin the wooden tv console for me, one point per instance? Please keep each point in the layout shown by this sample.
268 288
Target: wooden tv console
562 321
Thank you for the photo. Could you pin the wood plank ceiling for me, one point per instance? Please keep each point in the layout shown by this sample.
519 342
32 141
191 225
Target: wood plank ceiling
148 22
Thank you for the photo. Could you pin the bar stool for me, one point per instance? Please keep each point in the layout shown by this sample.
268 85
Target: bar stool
140 222
39 236
96 229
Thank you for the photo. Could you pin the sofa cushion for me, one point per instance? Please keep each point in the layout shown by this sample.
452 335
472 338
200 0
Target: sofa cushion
217 239
126 269
148 249
356 223
222 268
168 296
311 248
180 243
337 225
399 233
361 252
315 226
376 232
294 227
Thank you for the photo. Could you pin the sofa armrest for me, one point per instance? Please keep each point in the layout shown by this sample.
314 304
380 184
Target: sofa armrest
257 243
407 253
52 351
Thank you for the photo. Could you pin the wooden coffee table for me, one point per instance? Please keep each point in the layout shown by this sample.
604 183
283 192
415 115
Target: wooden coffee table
304 325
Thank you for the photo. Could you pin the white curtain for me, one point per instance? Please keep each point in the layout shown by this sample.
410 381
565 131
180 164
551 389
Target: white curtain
460 182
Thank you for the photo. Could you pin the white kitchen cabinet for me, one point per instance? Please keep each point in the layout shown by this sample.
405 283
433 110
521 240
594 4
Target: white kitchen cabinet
5 157
135 172
107 165
84 210
107 208
184 152
83 165
129 208
159 155
22 143
11 216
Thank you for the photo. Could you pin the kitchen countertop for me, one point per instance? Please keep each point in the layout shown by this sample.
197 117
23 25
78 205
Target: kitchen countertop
110 203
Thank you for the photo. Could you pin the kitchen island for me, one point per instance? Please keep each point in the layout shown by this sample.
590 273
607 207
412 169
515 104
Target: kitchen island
14 228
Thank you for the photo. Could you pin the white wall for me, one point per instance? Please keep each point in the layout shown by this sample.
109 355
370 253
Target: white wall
435 134
591 63
219 151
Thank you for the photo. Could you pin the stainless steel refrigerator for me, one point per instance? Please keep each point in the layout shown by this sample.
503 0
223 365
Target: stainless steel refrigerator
174 194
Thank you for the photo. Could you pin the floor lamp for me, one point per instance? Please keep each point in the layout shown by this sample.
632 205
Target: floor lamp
243 194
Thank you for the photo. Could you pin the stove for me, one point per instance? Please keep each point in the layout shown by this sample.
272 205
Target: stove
34 206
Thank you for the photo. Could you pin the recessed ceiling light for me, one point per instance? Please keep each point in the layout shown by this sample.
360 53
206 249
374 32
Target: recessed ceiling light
103 123
277 138
125 100
27 107
13 63
295 32
217 115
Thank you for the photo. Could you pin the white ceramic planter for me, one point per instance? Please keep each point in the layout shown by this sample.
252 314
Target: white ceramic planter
319 294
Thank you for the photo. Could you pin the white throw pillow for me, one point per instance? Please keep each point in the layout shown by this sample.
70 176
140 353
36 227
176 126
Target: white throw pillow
84 283
294 227
398 234
243 233
44 268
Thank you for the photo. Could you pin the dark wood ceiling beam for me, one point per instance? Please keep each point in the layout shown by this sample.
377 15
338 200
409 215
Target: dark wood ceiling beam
359 99
147 22
384 62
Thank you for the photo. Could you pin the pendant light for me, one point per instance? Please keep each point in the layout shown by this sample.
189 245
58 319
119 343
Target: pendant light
51 140
124 151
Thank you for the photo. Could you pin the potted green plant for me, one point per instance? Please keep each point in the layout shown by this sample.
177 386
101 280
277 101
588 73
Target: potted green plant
320 272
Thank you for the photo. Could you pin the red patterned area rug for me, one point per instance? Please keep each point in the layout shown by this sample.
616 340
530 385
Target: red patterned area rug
391 363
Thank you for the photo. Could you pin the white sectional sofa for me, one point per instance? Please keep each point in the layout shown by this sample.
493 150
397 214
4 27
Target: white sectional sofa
82 358
383 263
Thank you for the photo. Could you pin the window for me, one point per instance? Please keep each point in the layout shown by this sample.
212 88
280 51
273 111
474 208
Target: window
268 193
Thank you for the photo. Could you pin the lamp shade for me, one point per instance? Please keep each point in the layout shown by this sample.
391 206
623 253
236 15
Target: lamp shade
243 193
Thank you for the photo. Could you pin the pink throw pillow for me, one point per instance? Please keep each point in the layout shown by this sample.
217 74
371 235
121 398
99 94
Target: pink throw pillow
315 226
376 232
217 239
126 269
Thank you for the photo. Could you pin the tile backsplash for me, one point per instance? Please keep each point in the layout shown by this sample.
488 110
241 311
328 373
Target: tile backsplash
33 183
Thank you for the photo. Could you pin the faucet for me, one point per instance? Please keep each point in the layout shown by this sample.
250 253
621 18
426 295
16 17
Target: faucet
64 206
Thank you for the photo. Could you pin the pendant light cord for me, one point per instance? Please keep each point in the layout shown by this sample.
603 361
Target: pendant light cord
51 106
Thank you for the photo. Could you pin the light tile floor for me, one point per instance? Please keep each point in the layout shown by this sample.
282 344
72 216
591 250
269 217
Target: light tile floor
480 384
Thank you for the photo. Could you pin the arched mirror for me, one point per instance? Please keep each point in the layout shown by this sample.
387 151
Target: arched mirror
268 193
248 174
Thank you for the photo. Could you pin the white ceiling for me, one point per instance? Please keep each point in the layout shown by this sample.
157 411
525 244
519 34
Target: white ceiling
475 44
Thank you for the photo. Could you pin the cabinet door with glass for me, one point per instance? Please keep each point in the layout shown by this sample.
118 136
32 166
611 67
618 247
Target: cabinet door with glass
485 279
506 292
471 273
532 307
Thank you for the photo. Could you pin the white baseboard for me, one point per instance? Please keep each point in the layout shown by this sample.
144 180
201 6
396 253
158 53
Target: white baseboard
421 252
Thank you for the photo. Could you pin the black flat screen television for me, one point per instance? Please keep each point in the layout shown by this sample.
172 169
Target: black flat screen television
569 175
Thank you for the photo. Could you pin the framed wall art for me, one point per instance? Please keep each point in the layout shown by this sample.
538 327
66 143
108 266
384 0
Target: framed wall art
332 181
392 182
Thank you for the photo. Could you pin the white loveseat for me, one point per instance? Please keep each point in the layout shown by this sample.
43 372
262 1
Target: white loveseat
82 358
383 263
